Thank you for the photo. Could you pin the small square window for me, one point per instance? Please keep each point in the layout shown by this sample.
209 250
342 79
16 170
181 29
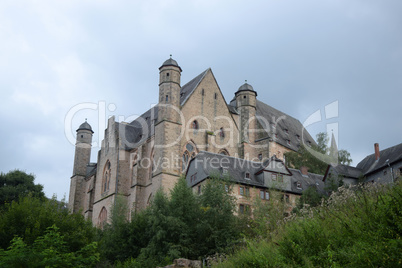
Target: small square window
299 186
280 177
273 176
241 190
266 195
262 194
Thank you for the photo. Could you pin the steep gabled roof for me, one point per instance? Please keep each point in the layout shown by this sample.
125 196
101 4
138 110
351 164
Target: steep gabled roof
138 130
348 171
187 89
276 165
286 127
369 164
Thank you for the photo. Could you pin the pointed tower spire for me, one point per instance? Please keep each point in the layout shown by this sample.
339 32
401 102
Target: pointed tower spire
333 150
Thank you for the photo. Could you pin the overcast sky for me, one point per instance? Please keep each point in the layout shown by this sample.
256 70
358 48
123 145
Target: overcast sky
299 55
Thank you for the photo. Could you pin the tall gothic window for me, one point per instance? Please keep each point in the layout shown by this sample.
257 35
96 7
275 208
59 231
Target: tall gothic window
102 219
189 153
106 177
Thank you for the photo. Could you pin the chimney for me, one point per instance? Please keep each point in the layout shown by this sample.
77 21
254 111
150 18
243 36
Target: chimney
304 170
376 151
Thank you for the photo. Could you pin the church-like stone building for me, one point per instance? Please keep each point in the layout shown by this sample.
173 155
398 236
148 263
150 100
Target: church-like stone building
153 151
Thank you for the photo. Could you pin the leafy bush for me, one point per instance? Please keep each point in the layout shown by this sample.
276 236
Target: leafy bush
183 225
356 227
49 250
29 218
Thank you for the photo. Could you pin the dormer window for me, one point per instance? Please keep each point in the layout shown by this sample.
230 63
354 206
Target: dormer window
273 125
288 142
286 131
299 186
298 137
247 176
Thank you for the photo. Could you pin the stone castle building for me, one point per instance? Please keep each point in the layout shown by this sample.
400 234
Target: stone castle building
137 158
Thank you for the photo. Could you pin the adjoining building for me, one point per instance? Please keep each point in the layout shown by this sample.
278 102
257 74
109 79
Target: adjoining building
382 166
137 158
249 180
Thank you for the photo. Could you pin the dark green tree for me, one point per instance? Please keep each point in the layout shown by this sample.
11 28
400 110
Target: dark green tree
317 157
29 217
18 183
219 227
49 250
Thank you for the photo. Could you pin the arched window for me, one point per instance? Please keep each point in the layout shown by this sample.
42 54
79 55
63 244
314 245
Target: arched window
224 152
194 125
106 177
149 199
102 219
189 153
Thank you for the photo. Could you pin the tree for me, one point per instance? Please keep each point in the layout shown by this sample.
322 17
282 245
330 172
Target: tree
218 228
317 157
29 217
49 250
18 183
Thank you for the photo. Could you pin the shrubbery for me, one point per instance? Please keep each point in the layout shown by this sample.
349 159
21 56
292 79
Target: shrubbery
356 227
183 225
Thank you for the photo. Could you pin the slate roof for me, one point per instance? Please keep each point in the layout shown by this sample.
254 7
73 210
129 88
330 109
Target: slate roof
134 133
370 165
275 165
310 180
187 89
213 164
85 126
348 171
289 131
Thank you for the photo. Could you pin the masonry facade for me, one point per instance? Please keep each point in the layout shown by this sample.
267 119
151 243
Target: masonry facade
137 158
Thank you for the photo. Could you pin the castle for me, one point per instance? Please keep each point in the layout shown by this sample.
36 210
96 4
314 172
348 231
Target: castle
153 151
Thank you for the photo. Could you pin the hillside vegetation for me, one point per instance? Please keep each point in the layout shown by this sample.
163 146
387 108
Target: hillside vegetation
356 227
